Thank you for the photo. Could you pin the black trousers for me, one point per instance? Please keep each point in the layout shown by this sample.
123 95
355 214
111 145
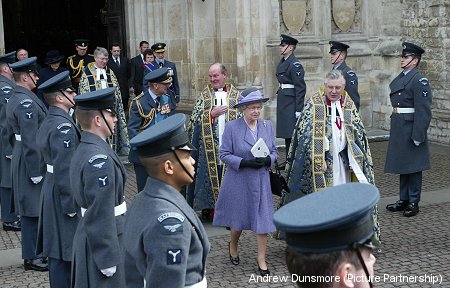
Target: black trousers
29 237
411 187
5 198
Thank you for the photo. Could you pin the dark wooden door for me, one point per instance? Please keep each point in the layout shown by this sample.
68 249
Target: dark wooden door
115 23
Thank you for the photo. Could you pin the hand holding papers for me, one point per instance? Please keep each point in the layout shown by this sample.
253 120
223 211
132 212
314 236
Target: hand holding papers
260 149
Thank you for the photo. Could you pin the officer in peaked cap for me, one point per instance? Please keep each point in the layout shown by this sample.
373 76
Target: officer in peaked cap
159 47
160 61
408 152
411 49
81 43
148 109
57 138
27 65
329 233
25 113
183 246
8 58
77 62
292 90
98 184
159 76
338 54
286 39
7 85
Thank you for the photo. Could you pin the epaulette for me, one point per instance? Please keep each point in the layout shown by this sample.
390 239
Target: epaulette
70 57
138 96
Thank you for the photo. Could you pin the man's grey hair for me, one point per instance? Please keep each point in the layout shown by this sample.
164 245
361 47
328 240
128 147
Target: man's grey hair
333 75
100 51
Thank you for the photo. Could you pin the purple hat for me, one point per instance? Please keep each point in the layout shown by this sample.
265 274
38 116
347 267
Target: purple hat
249 96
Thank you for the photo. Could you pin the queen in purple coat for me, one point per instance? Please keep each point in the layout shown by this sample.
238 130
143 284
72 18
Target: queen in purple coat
245 197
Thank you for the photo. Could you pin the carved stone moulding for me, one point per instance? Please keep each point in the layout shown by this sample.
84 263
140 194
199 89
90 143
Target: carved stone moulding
294 14
343 12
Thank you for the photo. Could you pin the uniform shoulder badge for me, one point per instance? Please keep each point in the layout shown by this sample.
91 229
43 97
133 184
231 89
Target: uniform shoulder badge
174 256
351 73
168 215
97 156
26 103
97 161
423 81
297 64
64 128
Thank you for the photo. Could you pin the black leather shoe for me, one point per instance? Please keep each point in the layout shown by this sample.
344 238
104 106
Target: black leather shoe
12 226
35 264
234 260
400 205
411 210
263 272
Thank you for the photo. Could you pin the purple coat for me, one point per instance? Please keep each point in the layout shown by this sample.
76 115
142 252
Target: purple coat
245 198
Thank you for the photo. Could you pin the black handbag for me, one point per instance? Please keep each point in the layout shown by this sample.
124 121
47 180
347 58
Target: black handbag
277 182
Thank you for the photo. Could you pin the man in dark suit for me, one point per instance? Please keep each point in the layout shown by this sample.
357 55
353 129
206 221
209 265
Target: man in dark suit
137 69
160 49
121 68
338 54
291 94
408 153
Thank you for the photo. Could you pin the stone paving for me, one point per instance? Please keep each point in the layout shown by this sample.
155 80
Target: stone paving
415 248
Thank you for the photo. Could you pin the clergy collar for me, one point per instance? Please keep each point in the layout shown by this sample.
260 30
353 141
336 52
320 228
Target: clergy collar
224 89
341 100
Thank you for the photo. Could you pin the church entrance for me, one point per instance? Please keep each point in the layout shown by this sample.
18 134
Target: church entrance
40 26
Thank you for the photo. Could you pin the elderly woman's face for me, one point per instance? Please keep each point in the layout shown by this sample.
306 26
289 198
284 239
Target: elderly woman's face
252 111
334 88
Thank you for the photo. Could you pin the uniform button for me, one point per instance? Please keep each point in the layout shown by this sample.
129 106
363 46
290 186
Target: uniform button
398 104
399 93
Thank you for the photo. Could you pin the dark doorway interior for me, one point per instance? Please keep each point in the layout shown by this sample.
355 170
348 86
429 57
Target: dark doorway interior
40 26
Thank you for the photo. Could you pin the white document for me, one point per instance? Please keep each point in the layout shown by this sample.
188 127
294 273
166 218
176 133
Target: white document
260 149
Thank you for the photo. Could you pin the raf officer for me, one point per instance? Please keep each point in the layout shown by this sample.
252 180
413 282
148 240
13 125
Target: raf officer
98 184
160 61
25 112
167 245
57 139
7 85
323 241
77 62
148 109
338 54
292 90
408 153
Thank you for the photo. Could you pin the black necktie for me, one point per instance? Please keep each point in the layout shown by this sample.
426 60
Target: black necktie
157 102
117 61
161 64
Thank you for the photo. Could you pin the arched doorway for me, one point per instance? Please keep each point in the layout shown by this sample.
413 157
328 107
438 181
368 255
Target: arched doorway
40 26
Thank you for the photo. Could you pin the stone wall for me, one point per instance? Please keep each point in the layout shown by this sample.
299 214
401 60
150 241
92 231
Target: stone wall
244 35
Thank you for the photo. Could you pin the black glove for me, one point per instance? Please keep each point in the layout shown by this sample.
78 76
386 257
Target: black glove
266 161
251 164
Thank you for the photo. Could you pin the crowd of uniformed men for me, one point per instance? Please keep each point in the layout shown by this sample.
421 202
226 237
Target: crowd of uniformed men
62 179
